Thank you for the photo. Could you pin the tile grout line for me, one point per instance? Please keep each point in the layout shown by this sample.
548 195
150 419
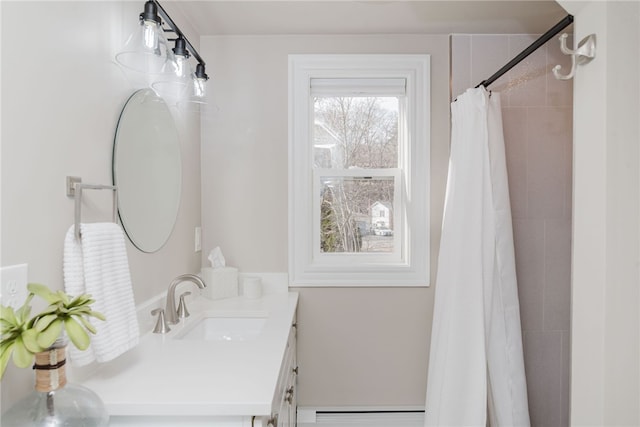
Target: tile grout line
544 273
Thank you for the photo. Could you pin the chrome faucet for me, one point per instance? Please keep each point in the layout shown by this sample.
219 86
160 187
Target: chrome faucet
170 310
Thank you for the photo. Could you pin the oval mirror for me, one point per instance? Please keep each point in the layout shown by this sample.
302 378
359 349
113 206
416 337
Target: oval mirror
147 169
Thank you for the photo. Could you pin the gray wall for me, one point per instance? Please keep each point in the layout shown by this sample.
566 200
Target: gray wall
364 346
61 99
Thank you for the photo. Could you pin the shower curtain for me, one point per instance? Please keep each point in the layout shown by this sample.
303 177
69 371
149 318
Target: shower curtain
476 367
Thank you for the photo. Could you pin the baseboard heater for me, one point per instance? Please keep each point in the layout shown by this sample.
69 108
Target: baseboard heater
365 417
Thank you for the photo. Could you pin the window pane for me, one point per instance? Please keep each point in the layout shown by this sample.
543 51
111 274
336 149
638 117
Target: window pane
355 132
356 214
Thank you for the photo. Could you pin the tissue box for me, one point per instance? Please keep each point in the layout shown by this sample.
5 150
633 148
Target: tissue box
221 282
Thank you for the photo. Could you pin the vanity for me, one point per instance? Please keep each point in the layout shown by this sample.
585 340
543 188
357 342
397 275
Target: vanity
231 363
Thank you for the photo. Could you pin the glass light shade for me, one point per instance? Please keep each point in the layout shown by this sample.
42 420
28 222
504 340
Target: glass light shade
196 99
150 35
182 68
175 80
195 95
171 90
146 50
199 87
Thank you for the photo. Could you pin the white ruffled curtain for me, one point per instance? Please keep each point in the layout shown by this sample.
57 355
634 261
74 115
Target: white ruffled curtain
476 366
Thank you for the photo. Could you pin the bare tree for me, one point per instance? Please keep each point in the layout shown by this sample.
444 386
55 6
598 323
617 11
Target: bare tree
339 230
367 133
363 134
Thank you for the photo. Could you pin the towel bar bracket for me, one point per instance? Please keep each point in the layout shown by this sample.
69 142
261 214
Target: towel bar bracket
74 189
71 185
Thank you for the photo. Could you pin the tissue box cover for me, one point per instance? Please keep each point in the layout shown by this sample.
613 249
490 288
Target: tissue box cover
221 282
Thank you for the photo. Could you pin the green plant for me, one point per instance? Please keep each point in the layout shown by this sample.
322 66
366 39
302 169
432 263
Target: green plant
23 336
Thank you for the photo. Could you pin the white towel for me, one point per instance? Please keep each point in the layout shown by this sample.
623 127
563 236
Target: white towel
98 265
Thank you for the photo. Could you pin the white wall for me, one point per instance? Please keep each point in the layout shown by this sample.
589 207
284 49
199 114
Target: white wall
355 346
61 99
606 247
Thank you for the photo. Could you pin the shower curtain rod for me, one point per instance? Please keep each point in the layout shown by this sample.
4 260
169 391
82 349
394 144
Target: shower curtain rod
529 50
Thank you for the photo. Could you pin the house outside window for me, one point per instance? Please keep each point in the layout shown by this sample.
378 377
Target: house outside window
359 170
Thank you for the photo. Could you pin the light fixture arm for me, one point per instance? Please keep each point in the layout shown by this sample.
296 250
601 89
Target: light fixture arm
174 28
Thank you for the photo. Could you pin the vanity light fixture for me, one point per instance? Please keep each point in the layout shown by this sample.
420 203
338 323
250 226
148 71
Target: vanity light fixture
147 51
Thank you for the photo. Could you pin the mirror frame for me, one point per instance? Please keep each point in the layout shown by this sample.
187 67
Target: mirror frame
147 162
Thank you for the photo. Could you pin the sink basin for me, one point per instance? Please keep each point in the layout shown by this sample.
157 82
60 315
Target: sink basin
224 329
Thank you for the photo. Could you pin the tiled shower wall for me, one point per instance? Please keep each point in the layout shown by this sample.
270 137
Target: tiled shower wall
537 120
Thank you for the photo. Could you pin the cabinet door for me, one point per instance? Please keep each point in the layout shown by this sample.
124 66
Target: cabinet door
293 405
293 401
291 380
285 400
292 395
283 414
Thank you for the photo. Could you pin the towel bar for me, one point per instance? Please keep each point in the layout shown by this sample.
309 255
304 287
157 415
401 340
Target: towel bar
74 189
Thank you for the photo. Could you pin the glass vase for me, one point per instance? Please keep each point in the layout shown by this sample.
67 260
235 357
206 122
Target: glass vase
54 402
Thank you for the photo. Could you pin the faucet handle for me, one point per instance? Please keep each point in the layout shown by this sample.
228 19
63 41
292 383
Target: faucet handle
161 325
182 307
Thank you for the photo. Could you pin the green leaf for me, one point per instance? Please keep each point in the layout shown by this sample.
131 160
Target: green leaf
43 322
50 309
8 315
30 339
43 292
4 345
64 298
82 301
23 313
80 309
87 325
97 315
5 327
48 336
77 334
9 338
5 354
21 356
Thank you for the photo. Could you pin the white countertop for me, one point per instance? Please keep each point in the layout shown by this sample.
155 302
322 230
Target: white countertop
165 376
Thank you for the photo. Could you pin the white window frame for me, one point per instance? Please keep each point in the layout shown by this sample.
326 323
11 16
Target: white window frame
410 265
348 259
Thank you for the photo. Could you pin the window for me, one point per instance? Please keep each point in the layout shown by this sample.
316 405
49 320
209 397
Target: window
358 170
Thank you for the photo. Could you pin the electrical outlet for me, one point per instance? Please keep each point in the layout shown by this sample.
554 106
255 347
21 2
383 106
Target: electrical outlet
198 239
14 285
